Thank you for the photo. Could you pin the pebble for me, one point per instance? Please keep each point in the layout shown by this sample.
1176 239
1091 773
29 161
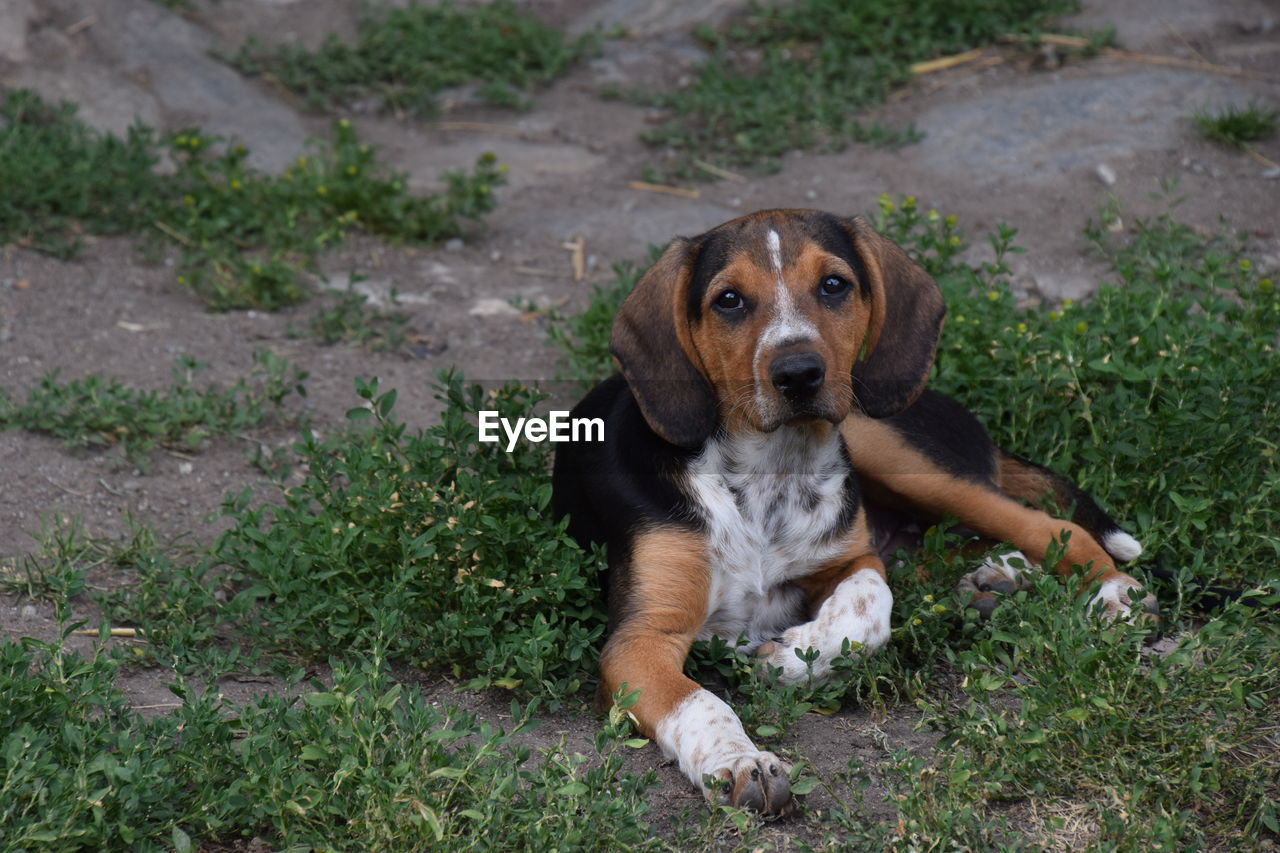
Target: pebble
29 611
1106 174
453 245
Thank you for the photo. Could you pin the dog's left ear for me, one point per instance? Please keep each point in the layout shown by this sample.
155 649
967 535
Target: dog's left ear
907 313
651 345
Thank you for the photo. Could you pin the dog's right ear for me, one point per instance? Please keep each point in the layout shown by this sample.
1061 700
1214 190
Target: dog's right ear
652 346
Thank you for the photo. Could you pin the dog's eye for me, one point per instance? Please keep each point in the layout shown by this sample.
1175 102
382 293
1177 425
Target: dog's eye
834 285
730 300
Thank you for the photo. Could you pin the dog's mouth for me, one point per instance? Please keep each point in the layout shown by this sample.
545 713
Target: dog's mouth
781 413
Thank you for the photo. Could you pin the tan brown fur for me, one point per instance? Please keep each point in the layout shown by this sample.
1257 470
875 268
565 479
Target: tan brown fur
668 589
898 475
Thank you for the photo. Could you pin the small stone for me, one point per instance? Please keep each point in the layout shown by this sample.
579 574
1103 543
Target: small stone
453 245
29 611
22 284
185 467
493 308
1272 174
810 194
1106 174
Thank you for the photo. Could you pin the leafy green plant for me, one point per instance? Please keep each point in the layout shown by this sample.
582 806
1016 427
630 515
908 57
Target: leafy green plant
62 178
243 237
1166 751
403 58
435 524
1236 126
363 763
795 76
98 412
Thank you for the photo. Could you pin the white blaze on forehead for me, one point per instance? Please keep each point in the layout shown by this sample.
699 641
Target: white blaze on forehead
775 251
786 322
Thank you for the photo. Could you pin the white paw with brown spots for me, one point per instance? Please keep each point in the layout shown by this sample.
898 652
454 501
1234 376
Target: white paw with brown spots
858 611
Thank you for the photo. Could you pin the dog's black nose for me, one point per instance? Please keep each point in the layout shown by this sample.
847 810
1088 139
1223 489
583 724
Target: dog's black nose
797 375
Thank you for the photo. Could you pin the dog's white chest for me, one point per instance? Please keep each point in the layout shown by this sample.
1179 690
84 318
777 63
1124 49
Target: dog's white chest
773 506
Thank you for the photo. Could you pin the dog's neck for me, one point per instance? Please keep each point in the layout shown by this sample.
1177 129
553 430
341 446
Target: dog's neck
797 448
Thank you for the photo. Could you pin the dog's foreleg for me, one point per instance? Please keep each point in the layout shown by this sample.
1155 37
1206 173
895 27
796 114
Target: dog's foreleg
666 607
856 608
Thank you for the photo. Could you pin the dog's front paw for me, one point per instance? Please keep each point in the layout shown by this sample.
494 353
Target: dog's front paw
753 780
1115 601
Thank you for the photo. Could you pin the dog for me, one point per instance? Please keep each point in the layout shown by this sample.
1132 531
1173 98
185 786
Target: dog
768 439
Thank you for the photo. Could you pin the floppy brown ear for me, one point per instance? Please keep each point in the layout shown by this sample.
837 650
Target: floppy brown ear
650 342
907 313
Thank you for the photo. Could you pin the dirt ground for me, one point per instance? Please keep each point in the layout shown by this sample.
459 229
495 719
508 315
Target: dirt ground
1026 142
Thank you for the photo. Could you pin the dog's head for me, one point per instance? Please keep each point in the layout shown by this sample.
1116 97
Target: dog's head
780 316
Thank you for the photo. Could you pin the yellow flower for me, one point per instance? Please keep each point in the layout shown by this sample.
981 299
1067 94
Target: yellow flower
1245 264
235 185
1082 327
993 295
951 220
1022 328
955 241
322 190
1266 285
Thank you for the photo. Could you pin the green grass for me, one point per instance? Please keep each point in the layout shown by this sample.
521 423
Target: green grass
404 58
796 76
428 549
243 238
358 764
350 319
1236 126
104 412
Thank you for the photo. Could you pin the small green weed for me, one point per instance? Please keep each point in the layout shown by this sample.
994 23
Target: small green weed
1236 126
57 571
795 75
404 58
349 319
98 412
243 237
584 337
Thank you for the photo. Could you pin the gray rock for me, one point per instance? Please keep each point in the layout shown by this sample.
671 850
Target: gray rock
170 55
14 17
